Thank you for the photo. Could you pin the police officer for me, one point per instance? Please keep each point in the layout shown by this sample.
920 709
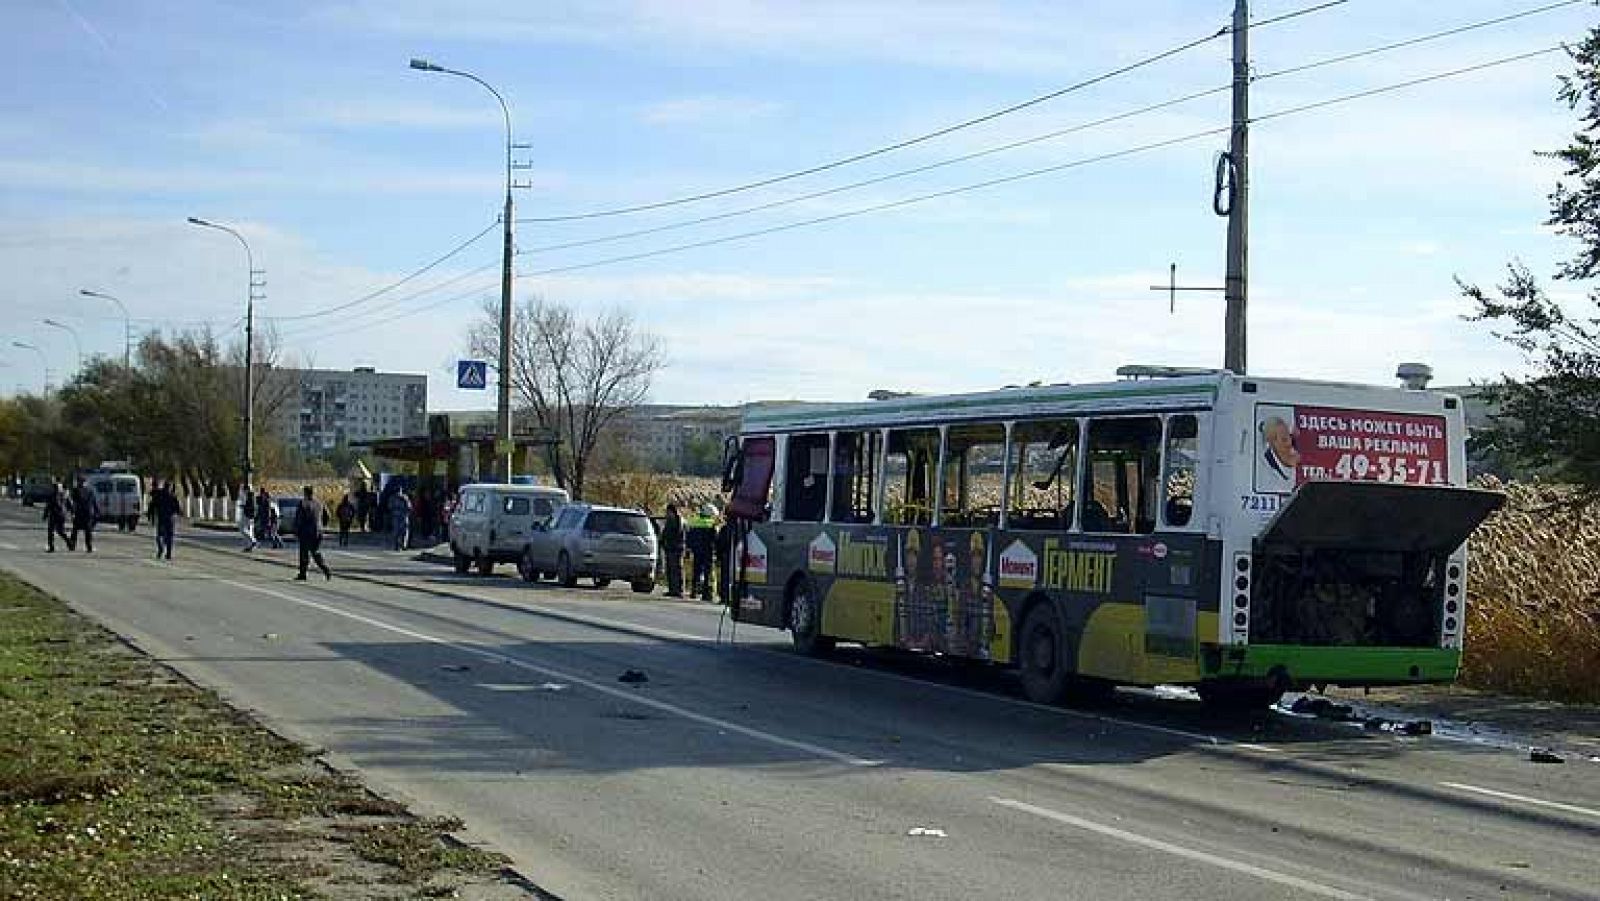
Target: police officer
701 540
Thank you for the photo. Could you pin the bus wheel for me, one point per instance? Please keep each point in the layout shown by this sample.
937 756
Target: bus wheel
564 573
1239 696
1041 656
462 561
525 567
485 565
805 621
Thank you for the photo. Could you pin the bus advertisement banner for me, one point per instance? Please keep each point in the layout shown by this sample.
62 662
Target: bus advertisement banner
1299 444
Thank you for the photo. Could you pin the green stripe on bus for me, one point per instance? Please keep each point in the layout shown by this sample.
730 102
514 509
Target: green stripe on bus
1345 665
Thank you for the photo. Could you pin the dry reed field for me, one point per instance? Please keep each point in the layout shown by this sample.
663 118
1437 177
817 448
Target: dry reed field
1533 615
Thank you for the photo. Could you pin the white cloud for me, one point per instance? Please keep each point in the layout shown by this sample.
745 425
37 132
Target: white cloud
706 109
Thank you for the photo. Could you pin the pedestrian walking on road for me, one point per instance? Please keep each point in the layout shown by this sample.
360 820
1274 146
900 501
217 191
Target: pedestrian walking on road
701 540
57 507
274 530
400 519
85 514
307 525
264 518
164 510
672 551
247 517
346 513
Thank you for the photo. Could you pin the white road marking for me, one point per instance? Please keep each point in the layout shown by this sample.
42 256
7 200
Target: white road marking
356 555
1144 841
551 673
4 546
1508 796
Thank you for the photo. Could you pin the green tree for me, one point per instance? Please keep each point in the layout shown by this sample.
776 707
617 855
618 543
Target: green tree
1550 420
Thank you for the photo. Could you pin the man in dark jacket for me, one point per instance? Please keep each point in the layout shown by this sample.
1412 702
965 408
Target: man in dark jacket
308 520
56 510
672 551
164 510
85 513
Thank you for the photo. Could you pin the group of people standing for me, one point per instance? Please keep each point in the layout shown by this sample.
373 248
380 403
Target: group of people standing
709 542
81 508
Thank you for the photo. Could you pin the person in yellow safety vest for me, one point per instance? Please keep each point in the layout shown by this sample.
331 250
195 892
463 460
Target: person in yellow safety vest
701 540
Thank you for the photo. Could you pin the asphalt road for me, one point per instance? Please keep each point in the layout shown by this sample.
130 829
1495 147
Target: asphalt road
740 770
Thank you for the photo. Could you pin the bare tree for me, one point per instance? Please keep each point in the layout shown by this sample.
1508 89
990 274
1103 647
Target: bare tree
575 375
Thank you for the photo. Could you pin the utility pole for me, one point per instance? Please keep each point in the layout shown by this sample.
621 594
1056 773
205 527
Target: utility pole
1238 192
257 281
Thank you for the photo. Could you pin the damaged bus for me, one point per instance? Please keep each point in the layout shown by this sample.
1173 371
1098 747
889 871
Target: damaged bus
1241 535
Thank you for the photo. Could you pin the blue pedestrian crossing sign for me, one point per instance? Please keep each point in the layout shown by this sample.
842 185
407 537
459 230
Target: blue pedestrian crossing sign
472 374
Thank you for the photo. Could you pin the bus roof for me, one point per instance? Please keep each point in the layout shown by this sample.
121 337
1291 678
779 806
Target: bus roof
1185 392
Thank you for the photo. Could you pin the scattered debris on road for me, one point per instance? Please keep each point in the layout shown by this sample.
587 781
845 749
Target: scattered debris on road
455 668
633 677
1545 755
926 831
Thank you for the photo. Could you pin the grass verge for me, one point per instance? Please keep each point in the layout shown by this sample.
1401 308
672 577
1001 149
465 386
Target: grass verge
119 780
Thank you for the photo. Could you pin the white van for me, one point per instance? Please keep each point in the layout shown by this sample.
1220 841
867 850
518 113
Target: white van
121 498
491 524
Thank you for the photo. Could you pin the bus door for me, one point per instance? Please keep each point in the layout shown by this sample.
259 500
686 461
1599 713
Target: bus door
747 471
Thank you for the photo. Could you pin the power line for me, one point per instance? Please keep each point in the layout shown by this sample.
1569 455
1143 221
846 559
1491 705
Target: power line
968 157
390 287
434 304
1034 173
1423 39
1359 95
394 302
903 173
927 136
881 207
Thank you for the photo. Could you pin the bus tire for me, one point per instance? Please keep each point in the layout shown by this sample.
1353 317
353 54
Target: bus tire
803 617
1235 696
462 561
564 573
485 565
525 567
643 586
1042 655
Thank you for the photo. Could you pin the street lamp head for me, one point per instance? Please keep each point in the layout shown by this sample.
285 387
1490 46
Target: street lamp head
54 323
24 345
422 65
193 220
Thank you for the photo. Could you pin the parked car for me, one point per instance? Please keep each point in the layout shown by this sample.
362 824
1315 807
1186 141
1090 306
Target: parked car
491 523
121 498
36 489
591 541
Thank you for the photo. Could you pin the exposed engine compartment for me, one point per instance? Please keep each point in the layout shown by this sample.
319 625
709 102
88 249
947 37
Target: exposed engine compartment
1343 597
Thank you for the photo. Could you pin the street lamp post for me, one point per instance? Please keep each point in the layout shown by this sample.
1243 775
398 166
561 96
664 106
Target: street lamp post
249 347
507 448
44 361
76 341
127 325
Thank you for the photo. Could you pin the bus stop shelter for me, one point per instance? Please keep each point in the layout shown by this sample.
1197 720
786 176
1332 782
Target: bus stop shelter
440 453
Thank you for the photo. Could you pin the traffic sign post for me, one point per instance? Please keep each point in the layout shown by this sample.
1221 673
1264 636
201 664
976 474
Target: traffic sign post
472 375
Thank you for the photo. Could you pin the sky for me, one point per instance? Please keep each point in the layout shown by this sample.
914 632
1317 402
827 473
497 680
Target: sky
302 126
